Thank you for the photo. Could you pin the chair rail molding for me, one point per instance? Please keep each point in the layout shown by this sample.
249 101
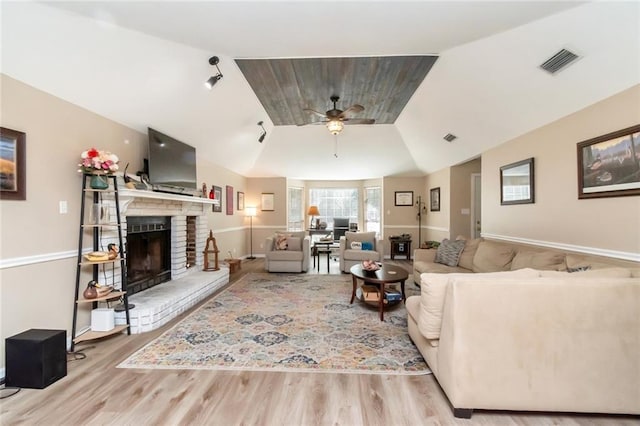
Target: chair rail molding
635 257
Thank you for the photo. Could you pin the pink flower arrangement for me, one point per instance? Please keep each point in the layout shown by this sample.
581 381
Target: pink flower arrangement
95 160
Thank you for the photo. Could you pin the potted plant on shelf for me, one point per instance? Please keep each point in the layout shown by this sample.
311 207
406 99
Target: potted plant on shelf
98 163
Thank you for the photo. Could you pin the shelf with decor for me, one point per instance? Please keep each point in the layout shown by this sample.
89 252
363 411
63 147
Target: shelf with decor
94 218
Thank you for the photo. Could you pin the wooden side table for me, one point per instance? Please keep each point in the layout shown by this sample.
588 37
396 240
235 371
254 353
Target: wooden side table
234 265
400 247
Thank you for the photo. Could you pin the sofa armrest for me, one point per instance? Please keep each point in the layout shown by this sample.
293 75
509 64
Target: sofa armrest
542 344
380 248
268 244
306 252
343 247
424 255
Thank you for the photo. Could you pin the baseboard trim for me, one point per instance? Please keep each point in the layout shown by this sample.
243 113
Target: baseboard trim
634 257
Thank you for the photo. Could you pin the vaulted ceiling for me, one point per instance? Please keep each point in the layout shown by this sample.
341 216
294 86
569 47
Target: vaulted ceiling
144 64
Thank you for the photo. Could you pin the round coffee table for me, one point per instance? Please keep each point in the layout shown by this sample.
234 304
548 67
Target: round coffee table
387 274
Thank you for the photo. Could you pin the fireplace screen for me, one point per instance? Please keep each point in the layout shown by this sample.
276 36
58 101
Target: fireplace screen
148 252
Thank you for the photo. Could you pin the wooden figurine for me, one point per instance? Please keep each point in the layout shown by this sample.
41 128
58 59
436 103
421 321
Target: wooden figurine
211 251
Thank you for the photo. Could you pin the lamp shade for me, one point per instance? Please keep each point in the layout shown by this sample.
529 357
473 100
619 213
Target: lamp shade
313 211
250 211
335 126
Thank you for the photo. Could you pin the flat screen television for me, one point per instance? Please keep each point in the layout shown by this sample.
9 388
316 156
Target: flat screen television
172 164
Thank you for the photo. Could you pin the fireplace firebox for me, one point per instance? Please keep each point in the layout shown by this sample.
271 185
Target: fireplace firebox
148 252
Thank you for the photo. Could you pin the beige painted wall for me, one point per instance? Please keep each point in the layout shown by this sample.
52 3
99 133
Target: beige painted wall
460 198
400 219
40 293
266 222
437 224
558 215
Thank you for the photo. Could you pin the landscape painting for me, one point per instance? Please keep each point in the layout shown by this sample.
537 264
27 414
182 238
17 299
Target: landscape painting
609 165
12 165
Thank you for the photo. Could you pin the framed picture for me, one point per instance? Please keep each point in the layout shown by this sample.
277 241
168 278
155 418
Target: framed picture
240 200
217 195
434 199
609 165
517 183
267 202
13 172
229 200
404 198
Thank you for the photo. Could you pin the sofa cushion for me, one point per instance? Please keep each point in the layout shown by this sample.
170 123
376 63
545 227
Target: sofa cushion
422 267
575 261
466 257
591 273
449 252
540 260
294 244
433 291
361 255
285 255
280 242
493 257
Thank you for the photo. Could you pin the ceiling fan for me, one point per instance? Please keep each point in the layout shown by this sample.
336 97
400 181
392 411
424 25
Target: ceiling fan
335 118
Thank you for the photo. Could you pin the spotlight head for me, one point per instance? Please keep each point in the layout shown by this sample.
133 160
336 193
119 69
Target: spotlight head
214 60
261 138
212 81
260 123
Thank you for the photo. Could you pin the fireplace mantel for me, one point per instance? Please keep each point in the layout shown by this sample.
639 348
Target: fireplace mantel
136 193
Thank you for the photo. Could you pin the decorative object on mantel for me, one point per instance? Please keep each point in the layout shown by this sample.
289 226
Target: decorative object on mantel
204 190
98 163
211 251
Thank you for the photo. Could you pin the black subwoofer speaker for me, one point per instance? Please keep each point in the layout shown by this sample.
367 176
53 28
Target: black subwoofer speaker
35 358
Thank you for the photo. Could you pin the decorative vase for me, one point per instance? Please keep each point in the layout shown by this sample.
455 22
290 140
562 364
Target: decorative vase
91 292
99 182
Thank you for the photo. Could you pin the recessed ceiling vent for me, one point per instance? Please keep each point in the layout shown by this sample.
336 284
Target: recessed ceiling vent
559 61
450 137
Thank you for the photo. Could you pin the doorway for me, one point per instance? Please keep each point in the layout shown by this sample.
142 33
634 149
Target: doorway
476 201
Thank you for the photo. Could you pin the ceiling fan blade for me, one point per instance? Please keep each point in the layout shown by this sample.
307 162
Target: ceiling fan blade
313 111
359 121
353 109
313 122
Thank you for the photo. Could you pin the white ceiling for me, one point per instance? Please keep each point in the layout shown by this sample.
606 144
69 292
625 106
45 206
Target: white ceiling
144 63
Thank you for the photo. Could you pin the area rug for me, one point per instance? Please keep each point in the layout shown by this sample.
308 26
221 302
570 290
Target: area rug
287 322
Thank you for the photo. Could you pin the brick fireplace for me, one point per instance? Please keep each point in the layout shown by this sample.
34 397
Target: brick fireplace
177 224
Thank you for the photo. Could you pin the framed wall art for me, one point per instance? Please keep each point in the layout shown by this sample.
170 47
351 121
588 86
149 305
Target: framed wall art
240 200
229 200
404 198
517 183
609 165
267 202
434 199
13 172
217 195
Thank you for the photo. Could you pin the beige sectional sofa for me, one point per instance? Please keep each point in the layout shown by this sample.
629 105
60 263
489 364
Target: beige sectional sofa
531 339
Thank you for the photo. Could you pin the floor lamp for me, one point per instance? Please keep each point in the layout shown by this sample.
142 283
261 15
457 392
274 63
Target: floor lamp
251 212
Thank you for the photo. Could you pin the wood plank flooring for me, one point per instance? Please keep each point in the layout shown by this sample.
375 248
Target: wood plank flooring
96 393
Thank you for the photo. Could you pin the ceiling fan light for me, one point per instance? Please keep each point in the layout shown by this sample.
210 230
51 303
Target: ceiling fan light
335 126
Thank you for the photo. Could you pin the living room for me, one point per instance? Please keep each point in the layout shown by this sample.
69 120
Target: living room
39 242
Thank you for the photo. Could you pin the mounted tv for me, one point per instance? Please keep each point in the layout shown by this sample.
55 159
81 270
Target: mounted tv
172 164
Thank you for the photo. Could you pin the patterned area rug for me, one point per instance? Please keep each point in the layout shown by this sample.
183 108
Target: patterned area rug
287 322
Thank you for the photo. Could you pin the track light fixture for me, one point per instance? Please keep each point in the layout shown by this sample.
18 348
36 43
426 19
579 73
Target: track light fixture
213 79
264 132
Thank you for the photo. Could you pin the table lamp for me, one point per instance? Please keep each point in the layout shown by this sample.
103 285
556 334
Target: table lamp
313 211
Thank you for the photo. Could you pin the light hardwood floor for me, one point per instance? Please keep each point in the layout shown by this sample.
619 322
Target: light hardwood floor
95 392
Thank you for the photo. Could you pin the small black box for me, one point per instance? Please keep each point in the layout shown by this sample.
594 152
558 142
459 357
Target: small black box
35 358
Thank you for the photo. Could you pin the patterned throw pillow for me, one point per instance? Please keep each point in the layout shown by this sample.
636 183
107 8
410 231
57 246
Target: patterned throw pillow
367 245
449 252
356 245
281 242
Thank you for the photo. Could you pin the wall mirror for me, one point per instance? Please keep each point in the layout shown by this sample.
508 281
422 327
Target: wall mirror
517 183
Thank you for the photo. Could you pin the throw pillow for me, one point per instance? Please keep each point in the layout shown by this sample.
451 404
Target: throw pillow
281 242
357 245
367 245
579 268
449 252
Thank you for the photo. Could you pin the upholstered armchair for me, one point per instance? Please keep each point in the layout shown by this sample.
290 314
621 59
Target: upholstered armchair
287 251
366 247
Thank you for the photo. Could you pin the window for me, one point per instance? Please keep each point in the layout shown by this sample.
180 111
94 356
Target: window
372 207
335 202
295 214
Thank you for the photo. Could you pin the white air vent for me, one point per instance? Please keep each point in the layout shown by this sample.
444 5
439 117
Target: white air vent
450 137
559 61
